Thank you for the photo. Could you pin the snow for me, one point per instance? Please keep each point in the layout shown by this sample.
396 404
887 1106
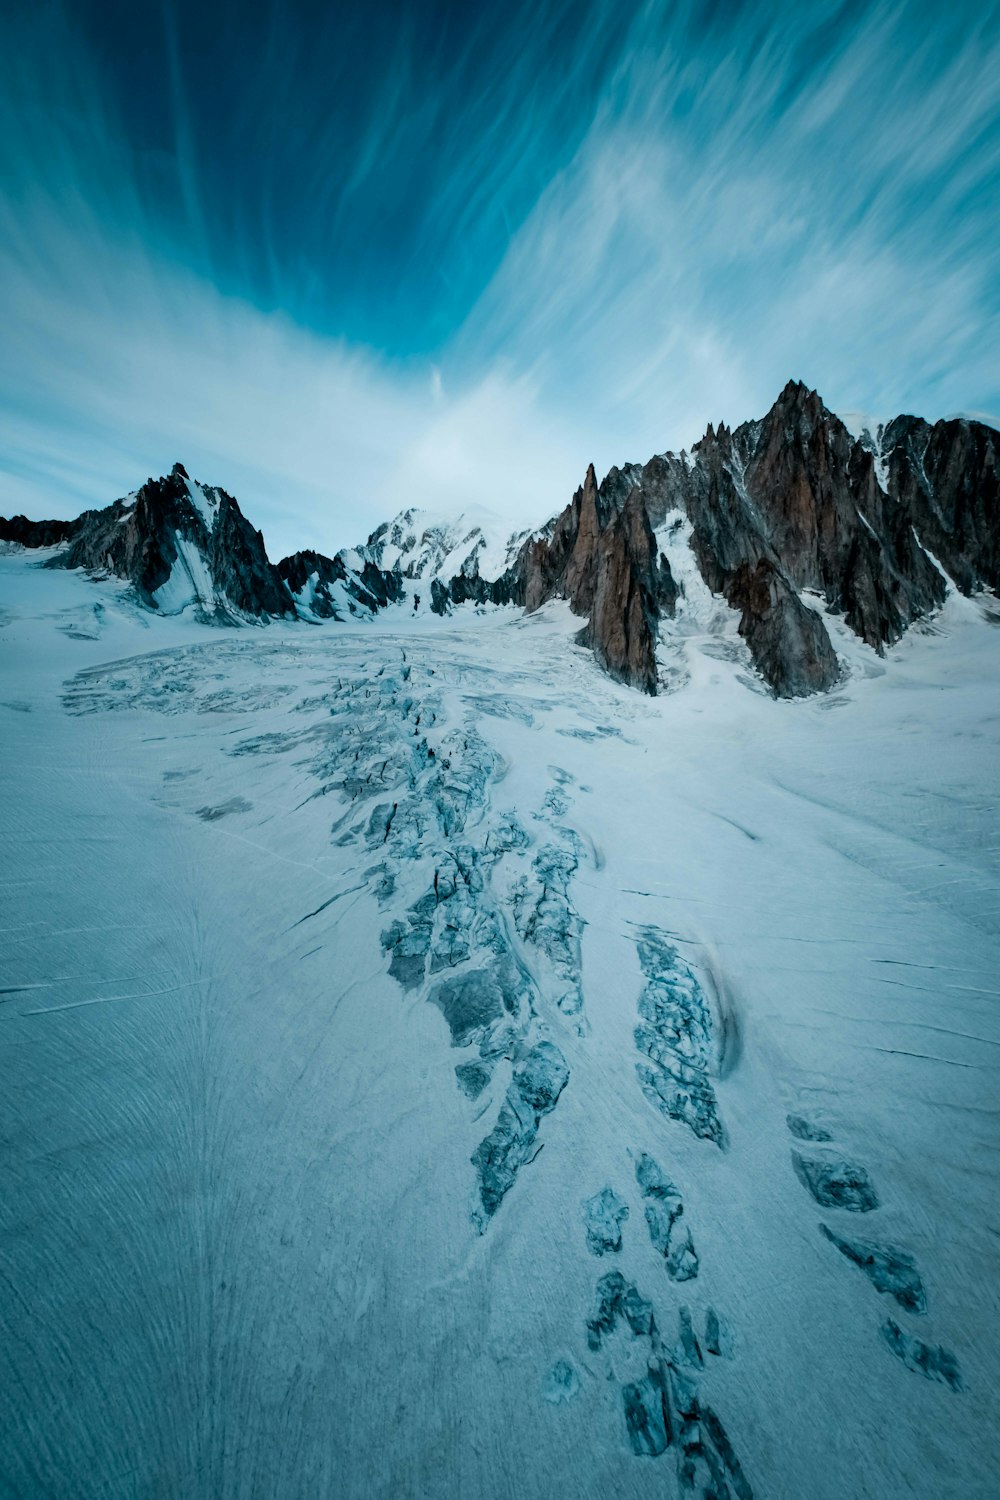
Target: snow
860 422
239 1246
426 543
705 628
205 502
190 582
129 506
868 430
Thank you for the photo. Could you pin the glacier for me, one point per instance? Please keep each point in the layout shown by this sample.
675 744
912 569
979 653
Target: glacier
433 1069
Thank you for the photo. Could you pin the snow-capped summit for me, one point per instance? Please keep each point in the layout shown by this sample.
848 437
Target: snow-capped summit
453 558
432 544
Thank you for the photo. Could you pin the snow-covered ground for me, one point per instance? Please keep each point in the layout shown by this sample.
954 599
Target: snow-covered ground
265 889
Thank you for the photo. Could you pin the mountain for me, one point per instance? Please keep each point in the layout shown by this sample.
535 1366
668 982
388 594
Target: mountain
423 544
20 532
331 588
778 508
790 523
789 518
182 545
456 560
601 556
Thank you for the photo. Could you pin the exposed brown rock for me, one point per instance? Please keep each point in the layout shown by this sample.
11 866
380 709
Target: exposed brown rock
794 500
600 555
946 479
579 582
829 524
624 609
789 642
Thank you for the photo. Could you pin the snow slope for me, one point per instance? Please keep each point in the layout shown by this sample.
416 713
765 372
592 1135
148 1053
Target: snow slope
429 544
252 1243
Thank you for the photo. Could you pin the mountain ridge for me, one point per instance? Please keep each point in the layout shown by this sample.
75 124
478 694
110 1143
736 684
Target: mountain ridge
874 527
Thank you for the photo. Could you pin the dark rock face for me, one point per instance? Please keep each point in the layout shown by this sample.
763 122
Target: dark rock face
378 586
470 588
831 526
311 576
601 556
238 563
789 643
947 480
788 503
626 597
315 573
146 536
34 533
440 602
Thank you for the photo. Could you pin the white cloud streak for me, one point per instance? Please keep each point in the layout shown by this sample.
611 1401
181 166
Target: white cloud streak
734 212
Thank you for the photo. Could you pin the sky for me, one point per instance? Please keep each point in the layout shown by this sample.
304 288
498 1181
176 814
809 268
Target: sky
345 258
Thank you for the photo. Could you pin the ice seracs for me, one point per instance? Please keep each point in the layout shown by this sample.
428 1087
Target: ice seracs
409 1030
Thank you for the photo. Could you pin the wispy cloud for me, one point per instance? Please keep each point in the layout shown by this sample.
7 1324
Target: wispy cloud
737 215
492 255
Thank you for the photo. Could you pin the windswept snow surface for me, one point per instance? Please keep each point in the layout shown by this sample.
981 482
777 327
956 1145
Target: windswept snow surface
433 1070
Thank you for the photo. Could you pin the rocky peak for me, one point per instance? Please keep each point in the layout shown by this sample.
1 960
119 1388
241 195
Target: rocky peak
24 533
600 555
331 588
785 505
580 579
819 510
946 479
788 642
628 594
181 545
792 502
424 544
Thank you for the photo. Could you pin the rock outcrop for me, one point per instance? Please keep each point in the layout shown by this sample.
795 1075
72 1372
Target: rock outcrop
788 642
181 544
600 554
946 478
788 505
326 588
25 533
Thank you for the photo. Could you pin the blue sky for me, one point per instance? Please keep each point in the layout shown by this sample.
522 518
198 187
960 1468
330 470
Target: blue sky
345 258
